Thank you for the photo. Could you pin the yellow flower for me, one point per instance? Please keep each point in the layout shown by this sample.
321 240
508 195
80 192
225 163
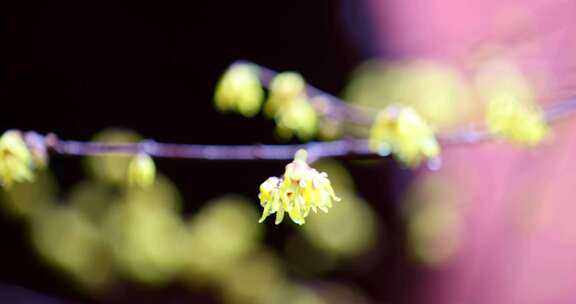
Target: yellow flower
405 134
15 159
300 190
519 123
512 111
240 90
141 171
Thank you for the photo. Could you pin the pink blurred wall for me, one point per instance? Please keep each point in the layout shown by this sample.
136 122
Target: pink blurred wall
519 241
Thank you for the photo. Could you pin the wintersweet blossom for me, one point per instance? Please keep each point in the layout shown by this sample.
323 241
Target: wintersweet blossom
240 90
300 190
518 122
512 110
405 134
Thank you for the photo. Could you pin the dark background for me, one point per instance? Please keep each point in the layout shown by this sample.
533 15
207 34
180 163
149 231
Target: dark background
76 68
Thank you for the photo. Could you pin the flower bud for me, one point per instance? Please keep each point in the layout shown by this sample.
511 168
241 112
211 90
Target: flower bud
240 90
141 171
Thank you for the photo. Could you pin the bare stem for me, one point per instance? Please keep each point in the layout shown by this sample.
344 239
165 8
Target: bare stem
316 150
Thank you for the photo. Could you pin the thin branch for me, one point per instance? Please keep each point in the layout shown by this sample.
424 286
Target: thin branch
560 110
316 150
554 113
349 147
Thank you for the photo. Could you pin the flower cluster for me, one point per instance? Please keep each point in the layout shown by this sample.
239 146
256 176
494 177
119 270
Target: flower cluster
404 133
239 90
297 118
300 190
16 161
288 104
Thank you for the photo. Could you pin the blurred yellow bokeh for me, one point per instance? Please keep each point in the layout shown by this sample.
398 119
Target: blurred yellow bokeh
22 199
218 236
64 237
434 220
146 233
350 227
253 280
435 90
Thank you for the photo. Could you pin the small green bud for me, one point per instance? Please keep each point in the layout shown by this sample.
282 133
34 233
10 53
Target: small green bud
141 171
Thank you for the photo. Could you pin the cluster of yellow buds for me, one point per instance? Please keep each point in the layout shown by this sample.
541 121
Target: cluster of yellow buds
16 160
288 104
297 117
284 88
300 190
405 134
141 170
240 90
